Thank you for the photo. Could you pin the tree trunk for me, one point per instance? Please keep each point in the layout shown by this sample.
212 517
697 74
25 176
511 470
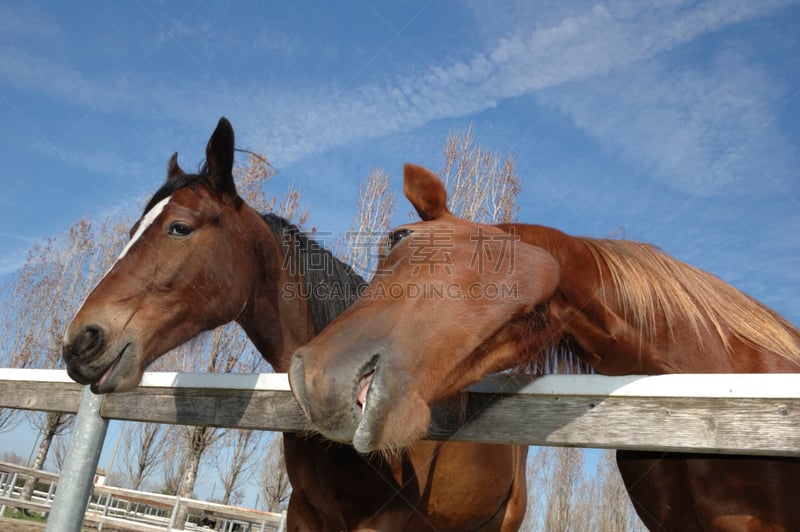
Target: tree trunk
51 428
201 439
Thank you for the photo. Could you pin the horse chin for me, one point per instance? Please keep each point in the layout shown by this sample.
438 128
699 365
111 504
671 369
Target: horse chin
387 422
123 374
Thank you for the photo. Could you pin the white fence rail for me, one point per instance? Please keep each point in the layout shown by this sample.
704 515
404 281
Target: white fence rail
731 414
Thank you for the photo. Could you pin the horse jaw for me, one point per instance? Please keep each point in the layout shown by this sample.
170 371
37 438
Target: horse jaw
371 410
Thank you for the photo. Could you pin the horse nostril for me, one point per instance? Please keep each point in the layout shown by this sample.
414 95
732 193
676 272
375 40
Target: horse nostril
89 343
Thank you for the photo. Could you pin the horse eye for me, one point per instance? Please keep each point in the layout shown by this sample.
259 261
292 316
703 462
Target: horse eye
179 229
395 237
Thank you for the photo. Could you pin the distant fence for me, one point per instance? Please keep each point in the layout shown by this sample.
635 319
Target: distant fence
755 414
125 509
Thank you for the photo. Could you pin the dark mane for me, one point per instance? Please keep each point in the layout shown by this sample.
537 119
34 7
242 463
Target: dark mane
176 183
329 285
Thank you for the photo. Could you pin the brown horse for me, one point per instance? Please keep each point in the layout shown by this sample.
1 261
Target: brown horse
458 300
200 257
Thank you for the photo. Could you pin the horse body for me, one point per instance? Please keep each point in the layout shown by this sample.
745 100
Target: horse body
200 257
621 307
431 486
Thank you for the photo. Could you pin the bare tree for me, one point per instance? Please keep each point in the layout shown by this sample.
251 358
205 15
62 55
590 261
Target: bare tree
614 511
59 449
234 460
482 185
274 480
54 278
555 480
224 351
565 485
564 496
37 302
12 458
49 425
142 451
173 463
251 182
373 218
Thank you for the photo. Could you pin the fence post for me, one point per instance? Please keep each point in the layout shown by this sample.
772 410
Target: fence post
174 512
9 491
77 478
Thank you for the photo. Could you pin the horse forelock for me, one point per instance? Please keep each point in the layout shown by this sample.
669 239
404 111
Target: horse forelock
176 183
646 281
330 285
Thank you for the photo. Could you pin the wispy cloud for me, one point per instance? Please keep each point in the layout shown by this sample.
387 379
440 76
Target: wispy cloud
28 71
295 122
24 20
519 63
701 131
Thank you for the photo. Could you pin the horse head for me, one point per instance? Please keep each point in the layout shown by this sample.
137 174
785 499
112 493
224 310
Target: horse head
177 276
437 316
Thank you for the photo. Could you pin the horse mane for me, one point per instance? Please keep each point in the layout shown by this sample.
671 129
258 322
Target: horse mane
646 280
329 285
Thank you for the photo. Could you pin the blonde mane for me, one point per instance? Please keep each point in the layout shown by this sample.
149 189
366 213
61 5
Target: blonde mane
647 280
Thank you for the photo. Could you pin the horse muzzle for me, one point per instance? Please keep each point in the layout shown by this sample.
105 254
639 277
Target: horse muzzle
107 364
355 399
331 408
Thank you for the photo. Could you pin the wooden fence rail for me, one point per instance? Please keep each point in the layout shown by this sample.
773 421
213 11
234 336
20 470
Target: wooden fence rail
744 414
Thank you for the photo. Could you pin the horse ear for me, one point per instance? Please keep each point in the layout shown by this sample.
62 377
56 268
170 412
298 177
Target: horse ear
219 156
425 191
173 170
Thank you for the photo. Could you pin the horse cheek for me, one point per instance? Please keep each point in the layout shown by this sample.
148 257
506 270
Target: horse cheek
533 277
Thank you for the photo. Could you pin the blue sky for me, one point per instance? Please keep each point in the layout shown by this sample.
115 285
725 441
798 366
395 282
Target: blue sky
674 122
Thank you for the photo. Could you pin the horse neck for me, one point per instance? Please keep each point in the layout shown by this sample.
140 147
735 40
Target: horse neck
577 326
590 319
289 306
546 339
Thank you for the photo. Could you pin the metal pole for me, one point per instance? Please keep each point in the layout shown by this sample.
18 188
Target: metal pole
80 466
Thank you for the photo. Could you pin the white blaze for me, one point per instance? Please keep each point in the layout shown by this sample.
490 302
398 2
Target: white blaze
147 221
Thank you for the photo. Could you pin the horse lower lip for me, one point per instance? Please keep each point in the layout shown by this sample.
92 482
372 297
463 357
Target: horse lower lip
107 373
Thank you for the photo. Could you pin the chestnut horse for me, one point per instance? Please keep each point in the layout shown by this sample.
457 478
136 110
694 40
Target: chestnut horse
200 257
458 300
